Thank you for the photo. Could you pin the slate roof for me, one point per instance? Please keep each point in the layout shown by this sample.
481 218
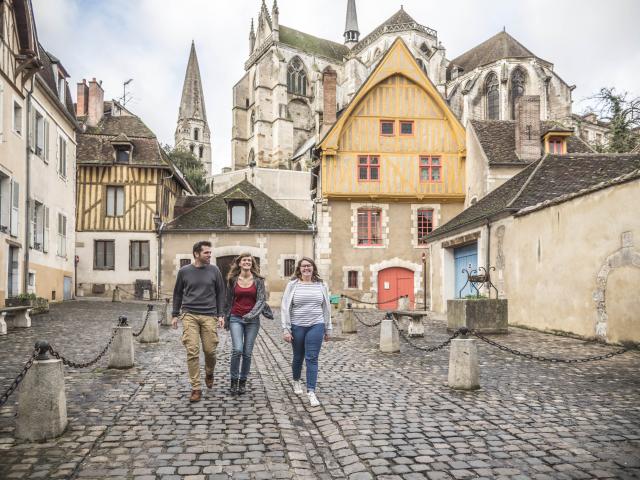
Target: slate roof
47 77
312 45
267 214
550 180
498 140
502 45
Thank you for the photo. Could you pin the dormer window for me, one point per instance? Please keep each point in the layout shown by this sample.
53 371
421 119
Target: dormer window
238 214
556 146
61 89
123 153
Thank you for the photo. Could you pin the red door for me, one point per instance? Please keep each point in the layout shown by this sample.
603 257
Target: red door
393 283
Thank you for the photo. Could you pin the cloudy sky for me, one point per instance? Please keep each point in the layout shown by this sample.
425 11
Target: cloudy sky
592 43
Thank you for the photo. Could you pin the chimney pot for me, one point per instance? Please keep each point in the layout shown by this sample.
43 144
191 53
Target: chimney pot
83 99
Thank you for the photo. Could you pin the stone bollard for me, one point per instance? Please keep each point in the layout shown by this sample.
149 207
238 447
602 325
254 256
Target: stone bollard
121 352
42 403
151 332
389 338
349 324
3 323
116 295
464 373
166 319
403 303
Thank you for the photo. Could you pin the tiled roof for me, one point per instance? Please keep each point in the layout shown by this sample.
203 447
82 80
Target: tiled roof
553 179
312 45
501 45
498 140
267 214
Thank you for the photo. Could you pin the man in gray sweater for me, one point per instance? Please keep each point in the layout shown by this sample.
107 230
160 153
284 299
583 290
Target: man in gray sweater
198 299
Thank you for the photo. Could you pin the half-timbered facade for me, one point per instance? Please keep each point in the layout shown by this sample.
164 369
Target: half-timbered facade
391 169
126 191
37 162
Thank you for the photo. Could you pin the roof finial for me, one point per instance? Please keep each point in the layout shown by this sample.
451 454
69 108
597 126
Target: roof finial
401 7
504 28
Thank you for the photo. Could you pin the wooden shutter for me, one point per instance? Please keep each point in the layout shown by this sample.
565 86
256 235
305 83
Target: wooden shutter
45 234
15 207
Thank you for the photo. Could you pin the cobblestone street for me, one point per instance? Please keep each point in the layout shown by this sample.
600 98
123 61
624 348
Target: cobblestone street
386 416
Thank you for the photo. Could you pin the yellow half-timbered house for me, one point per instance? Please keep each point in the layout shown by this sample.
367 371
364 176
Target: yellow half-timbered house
126 190
391 169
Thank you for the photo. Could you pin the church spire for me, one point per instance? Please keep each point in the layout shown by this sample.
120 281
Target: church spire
192 131
351 32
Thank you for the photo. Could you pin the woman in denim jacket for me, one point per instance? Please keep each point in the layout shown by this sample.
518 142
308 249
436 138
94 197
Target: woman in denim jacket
246 300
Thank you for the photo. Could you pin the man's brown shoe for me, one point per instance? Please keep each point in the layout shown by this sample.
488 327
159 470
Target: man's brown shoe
208 380
196 396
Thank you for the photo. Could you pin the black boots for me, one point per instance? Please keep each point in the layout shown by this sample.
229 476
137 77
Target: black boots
242 387
234 387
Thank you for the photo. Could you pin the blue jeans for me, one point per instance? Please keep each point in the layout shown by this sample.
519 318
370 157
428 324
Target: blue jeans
306 346
243 336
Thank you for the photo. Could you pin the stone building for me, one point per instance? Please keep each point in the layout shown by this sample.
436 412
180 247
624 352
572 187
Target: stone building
37 162
591 129
542 230
295 83
126 191
391 169
240 219
192 131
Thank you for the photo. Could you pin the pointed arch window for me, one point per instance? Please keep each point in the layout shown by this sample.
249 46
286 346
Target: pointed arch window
200 151
196 134
492 87
518 82
296 77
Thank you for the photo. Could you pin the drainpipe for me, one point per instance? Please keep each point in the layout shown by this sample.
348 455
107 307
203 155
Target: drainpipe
27 223
159 282
488 261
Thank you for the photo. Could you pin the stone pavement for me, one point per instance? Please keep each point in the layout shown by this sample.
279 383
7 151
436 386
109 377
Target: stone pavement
386 416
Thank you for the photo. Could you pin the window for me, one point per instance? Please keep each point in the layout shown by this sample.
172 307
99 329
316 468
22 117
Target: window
191 148
492 87
196 134
200 151
369 227
61 89
123 153
184 262
406 127
104 254
15 208
352 279
39 227
386 127
289 267
425 224
139 255
17 118
62 157
296 77
239 214
62 235
252 121
5 203
430 169
115 201
368 169
556 145
518 80
38 134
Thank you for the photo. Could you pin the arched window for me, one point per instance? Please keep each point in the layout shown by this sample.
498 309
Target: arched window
200 151
518 81
252 121
196 134
296 77
492 88
251 161
191 147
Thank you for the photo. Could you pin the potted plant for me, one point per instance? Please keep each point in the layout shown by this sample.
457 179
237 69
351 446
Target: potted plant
39 304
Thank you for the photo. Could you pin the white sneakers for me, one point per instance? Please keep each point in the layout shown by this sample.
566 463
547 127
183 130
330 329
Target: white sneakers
297 387
313 400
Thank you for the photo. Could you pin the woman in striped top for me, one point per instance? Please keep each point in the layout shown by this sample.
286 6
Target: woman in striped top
306 321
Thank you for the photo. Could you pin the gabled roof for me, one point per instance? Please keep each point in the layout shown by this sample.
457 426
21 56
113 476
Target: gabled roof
550 180
312 45
267 214
498 140
399 21
502 45
397 60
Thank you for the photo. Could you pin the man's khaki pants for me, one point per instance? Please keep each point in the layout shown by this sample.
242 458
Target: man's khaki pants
199 328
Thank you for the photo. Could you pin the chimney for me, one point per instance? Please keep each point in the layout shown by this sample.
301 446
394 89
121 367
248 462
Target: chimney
329 80
83 99
95 109
528 143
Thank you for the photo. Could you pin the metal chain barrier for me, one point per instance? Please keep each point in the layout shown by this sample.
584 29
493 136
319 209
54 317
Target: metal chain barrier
372 303
539 358
14 385
362 322
146 318
72 364
406 338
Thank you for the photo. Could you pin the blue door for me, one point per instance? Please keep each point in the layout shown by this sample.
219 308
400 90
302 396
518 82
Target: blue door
466 258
